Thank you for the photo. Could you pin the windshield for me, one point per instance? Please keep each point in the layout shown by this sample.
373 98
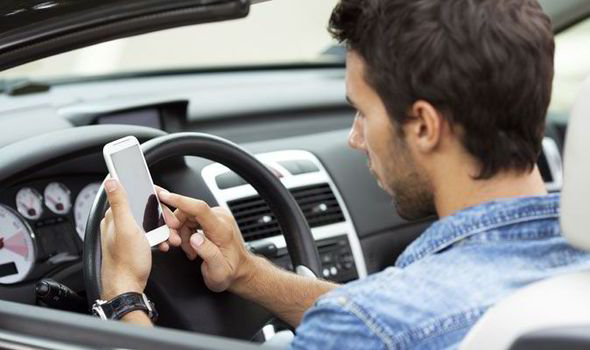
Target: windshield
275 32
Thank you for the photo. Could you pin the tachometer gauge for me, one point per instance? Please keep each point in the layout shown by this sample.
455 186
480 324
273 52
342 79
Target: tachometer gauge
17 251
57 198
29 203
83 205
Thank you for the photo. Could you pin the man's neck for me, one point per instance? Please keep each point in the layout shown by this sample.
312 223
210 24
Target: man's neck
456 195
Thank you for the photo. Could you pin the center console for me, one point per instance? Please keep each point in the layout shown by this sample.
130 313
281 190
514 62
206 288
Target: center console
319 199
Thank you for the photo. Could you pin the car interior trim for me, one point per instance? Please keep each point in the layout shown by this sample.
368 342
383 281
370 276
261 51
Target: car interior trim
553 157
31 322
9 340
305 272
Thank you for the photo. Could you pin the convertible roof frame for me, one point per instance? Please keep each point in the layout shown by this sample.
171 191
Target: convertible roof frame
84 27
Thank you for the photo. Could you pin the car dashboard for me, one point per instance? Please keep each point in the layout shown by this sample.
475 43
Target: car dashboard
296 123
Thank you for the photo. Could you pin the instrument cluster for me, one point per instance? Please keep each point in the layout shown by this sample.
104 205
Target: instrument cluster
42 225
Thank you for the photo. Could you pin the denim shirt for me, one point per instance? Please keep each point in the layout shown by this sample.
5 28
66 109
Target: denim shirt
445 280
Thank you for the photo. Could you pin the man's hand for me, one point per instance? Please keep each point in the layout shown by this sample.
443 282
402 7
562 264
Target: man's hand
126 254
228 265
212 234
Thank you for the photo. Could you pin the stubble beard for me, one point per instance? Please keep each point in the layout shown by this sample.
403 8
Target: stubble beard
410 188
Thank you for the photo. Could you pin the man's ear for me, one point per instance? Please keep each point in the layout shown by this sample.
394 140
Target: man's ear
426 126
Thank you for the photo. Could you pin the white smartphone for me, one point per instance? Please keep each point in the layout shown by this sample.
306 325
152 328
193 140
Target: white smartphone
126 163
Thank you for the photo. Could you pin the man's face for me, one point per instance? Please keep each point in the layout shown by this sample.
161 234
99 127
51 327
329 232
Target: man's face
389 156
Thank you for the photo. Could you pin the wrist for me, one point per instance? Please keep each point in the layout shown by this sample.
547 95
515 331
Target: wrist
137 317
248 268
111 292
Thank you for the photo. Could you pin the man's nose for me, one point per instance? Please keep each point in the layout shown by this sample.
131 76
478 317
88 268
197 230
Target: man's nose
355 137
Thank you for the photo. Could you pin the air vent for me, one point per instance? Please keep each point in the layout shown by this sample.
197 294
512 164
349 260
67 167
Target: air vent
256 221
318 204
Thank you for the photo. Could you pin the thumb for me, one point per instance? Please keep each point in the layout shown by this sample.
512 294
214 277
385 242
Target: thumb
124 221
208 251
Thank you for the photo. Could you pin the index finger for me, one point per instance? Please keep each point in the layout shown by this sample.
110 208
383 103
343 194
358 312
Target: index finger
193 207
170 218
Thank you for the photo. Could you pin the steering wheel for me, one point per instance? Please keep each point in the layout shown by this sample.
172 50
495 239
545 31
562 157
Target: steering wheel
175 283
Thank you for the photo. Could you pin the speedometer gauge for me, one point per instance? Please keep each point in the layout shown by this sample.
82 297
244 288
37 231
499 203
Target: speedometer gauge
83 205
17 251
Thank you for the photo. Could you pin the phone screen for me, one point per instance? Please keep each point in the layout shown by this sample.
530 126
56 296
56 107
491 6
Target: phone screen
135 179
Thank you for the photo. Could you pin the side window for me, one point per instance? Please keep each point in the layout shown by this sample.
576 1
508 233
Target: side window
572 67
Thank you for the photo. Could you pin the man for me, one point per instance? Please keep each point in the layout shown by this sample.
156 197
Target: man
451 98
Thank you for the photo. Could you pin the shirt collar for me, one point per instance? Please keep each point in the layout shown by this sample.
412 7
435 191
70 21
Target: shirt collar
467 222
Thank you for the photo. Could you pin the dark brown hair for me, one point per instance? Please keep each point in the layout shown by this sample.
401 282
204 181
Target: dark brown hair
486 65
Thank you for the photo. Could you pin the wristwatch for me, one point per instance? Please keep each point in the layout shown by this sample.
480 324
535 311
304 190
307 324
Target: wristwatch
123 304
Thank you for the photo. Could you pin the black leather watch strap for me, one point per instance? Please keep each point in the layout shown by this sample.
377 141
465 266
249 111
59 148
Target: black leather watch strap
123 304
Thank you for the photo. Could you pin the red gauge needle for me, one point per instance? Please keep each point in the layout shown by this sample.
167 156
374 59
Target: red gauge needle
52 200
17 244
24 205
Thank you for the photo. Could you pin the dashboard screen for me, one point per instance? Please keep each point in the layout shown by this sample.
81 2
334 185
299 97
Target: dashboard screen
144 117
8 269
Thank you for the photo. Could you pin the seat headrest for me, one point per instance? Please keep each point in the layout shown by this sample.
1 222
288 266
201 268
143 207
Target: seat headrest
575 195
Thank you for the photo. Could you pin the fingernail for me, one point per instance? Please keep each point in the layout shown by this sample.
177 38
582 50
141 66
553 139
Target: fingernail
197 239
110 185
164 195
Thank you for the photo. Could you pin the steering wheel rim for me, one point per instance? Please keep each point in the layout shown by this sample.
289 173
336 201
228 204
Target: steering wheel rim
298 237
